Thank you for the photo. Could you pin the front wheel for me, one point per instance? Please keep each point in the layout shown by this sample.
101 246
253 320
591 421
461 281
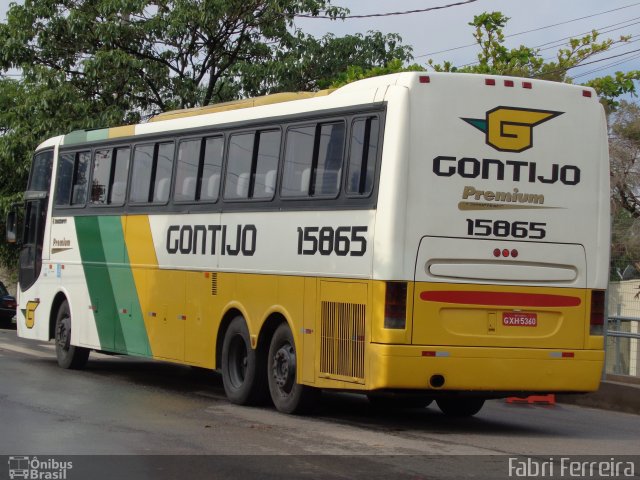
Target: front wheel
460 407
69 356
288 396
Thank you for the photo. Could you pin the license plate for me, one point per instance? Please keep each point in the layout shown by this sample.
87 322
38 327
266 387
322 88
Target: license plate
519 319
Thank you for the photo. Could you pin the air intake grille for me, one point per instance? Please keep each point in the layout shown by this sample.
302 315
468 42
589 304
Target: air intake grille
342 340
214 284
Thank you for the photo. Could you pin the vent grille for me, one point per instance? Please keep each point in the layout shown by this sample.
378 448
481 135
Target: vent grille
342 340
214 284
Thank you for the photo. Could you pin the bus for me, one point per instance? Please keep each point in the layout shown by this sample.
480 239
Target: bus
429 236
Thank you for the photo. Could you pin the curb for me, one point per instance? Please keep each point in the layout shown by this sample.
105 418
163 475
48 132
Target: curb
618 396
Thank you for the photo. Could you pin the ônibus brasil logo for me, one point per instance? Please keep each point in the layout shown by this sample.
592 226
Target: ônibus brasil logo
510 129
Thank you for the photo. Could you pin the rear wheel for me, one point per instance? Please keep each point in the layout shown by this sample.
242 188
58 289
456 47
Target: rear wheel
243 374
69 356
288 396
460 407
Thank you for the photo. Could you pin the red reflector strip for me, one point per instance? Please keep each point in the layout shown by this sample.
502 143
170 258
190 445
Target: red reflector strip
501 299
489 81
424 79
562 354
586 93
527 85
508 83
432 353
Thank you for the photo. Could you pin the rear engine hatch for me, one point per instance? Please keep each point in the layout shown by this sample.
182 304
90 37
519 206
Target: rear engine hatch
472 292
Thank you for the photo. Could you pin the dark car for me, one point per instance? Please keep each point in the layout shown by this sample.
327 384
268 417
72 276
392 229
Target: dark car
7 305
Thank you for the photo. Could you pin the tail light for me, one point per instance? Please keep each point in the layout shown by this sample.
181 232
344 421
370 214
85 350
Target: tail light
395 305
597 312
9 303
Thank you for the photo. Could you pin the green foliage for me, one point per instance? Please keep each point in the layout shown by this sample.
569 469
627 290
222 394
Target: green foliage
355 72
495 58
306 63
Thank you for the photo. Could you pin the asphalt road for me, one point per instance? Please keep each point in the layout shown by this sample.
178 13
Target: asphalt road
138 408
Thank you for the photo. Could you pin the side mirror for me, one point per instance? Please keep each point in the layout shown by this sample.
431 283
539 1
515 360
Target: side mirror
12 226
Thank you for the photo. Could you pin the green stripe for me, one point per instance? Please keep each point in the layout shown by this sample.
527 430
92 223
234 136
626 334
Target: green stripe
123 285
82 136
111 285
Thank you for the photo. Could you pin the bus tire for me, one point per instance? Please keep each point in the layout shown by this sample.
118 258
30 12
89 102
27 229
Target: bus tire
287 394
243 374
460 407
69 356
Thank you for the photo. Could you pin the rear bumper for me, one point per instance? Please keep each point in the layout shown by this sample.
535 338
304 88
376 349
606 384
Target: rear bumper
484 369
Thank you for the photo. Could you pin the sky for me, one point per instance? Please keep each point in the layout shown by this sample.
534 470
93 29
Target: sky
437 30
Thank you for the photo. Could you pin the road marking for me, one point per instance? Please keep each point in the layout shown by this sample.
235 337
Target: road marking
26 351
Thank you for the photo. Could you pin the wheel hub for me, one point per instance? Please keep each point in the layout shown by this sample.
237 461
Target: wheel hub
284 367
64 328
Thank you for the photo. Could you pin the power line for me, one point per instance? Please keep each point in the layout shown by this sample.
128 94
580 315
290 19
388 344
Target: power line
600 31
605 67
587 63
389 14
560 42
533 30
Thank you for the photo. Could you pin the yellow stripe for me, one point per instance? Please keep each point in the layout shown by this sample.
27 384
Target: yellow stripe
139 241
124 131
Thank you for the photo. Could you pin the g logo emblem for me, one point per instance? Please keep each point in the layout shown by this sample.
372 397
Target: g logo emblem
510 129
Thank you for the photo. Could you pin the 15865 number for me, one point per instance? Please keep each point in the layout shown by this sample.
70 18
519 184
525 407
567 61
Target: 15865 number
342 241
502 228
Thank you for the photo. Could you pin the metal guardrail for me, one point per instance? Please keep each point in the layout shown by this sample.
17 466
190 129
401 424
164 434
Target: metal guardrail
623 346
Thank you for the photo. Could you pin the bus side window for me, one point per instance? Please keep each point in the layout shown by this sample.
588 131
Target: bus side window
211 166
313 160
198 169
65 177
101 174
151 178
120 172
362 156
297 161
187 170
73 172
109 181
329 164
252 165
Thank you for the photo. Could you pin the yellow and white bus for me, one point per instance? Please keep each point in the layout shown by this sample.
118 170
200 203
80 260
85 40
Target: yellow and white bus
442 235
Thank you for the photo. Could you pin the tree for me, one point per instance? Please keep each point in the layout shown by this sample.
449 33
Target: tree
148 56
624 152
495 58
306 63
